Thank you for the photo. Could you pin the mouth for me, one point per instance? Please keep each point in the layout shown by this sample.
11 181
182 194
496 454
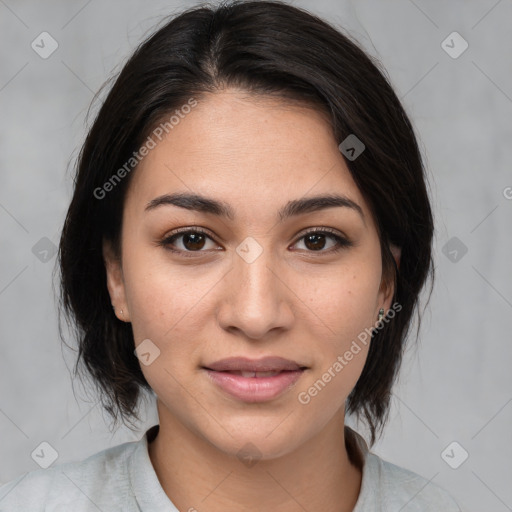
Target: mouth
254 380
258 375
263 365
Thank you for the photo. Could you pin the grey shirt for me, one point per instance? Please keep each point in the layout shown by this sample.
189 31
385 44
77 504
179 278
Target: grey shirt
122 479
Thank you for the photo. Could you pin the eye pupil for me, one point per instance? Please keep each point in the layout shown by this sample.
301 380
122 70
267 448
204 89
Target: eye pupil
194 238
311 237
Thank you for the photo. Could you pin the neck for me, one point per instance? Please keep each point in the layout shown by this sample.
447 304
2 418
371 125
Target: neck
196 475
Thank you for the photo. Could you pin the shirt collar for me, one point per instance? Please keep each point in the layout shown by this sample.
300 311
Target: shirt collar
144 482
361 457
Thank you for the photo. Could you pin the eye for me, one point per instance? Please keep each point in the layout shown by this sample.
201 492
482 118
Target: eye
193 240
314 240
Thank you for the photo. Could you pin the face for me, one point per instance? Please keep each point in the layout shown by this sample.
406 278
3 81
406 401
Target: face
258 282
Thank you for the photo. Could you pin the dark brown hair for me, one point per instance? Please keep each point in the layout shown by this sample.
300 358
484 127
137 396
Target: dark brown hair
264 48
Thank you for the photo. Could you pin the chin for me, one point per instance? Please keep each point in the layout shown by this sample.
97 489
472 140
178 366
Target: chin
254 440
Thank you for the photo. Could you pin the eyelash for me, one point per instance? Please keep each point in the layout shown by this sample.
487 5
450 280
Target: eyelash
341 241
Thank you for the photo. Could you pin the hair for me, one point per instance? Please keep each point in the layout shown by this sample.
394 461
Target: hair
268 49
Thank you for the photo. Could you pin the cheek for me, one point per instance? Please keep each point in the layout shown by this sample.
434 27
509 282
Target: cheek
341 315
165 307
169 304
342 339
342 302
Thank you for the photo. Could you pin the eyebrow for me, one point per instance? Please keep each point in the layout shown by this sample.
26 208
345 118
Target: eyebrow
220 208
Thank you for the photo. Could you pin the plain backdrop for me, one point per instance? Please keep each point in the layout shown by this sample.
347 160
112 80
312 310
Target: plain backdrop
455 387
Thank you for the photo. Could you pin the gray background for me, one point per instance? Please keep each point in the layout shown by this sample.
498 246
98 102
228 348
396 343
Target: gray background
456 386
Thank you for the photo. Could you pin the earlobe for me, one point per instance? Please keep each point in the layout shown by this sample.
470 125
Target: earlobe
115 282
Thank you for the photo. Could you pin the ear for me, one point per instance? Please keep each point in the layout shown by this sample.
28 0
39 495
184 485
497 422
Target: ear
115 282
396 252
387 288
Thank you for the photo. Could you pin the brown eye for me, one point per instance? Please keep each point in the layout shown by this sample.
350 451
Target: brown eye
317 240
192 240
314 241
195 241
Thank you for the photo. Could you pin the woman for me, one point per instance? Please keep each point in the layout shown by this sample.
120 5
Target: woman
248 236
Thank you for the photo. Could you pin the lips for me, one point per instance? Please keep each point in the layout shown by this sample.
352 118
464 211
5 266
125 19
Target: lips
258 375
266 364
252 380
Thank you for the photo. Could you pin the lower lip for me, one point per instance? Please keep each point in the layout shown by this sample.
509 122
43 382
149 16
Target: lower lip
255 389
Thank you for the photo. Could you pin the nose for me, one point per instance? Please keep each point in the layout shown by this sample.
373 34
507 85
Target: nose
255 298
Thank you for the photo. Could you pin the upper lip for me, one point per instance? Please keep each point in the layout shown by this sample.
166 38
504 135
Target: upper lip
265 364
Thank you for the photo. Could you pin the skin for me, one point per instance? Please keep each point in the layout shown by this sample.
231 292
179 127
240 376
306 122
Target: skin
293 301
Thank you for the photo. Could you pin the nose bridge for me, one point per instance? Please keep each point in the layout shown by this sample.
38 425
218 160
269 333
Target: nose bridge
252 263
255 301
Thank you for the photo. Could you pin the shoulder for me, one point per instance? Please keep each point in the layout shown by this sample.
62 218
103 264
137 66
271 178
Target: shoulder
391 488
404 490
83 485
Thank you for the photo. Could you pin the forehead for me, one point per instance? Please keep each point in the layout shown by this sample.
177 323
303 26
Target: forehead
254 152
